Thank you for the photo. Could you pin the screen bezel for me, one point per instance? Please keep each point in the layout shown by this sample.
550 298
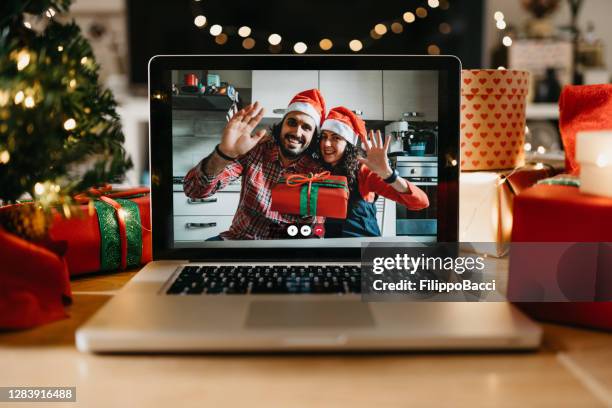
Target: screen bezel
160 144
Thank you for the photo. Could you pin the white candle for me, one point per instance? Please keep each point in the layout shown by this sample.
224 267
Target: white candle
594 153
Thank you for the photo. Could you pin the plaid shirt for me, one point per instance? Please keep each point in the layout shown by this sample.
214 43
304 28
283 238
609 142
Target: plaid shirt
261 169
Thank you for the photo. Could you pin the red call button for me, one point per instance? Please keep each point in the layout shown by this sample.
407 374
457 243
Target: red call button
319 230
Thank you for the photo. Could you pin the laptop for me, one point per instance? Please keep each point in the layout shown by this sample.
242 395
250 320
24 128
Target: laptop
231 273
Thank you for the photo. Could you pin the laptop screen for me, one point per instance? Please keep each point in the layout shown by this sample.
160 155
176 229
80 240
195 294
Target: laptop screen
304 158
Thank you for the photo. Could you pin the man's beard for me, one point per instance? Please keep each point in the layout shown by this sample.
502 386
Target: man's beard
291 154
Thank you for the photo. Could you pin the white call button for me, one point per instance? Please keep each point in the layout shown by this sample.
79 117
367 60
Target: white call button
292 230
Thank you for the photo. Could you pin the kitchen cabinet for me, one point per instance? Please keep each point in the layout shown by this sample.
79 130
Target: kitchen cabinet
200 228
202 218
221 203
209 103
410 91
274 89
357 90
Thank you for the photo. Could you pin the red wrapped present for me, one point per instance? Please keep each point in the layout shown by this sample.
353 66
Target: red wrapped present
34 283
319 195
115 234
558 213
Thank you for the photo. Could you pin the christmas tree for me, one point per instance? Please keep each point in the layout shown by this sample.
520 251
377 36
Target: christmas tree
59 131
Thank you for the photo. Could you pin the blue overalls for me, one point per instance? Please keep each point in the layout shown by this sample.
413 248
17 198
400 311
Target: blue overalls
360 220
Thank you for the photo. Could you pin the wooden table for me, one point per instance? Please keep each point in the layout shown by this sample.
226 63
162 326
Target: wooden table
573 368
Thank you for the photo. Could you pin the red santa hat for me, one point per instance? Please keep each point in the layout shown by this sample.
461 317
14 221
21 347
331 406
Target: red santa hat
311 103
345 123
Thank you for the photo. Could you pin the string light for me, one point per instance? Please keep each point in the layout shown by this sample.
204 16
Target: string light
541 150
355 45
300 47
29 102
50 12
216 30
39 188
23 59
5 156
527 147
326 44
433 49
500 23
19 96
73 83
445 28
70 124
421 12
409 17
274 39
221 39
27 25
244 31
60 48
5 96
507 41
84 60
380 29
248 43
199 21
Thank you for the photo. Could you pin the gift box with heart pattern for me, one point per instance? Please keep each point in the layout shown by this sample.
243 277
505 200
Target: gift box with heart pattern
493 104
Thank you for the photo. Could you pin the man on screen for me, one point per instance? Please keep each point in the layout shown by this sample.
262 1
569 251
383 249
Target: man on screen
261 160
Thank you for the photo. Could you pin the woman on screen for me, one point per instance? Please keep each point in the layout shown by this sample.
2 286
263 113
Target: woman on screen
367 171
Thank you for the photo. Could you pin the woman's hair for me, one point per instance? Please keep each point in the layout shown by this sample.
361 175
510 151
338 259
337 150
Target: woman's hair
348 165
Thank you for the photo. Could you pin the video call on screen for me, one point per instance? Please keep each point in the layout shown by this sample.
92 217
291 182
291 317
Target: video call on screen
295 180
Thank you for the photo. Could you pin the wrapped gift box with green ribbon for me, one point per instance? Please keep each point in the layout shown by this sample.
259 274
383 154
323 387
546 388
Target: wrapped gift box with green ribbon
321 195
113 233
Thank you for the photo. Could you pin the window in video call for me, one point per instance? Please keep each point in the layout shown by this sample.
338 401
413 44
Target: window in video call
304 157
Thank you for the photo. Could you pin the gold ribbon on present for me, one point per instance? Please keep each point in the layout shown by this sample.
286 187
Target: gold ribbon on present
295 180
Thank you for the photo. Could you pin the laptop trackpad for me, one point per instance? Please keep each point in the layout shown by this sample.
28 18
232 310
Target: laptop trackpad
297 313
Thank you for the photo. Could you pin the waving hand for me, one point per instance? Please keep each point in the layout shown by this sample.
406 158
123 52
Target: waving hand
238 137
376 151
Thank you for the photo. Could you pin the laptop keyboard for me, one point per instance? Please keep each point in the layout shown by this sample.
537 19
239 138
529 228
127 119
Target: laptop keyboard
235 280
